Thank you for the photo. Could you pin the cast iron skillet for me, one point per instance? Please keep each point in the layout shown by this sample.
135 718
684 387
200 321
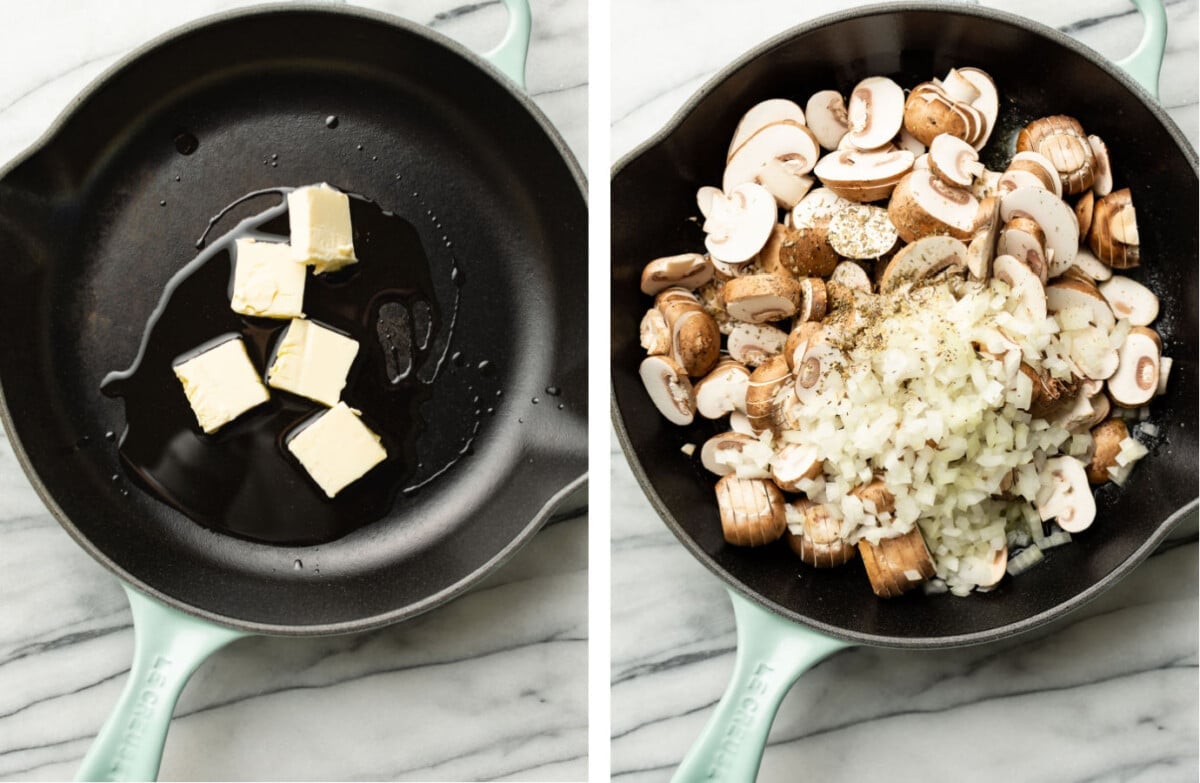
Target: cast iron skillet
653 197
88 248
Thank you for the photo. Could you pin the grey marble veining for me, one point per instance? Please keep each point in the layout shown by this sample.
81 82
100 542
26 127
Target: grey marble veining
1108 693
490 686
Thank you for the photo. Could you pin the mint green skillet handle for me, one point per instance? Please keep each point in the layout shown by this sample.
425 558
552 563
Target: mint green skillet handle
1146 61
168 646
771 654
509 56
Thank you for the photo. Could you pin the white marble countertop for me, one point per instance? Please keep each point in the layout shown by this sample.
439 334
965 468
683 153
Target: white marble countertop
491 686
1108 693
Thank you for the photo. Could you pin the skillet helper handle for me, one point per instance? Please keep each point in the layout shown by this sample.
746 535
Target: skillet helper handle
168 646
771 654
1146 60
509 56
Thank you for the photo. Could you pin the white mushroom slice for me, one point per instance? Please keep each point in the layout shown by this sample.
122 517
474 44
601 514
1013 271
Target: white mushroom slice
827 118
766 382
1072 414
1061 139
1089 265
655 334
1084 209
674 294
740 422
1065 496
753 344
818 541
922 205
959 87
1053 215
984 570
988 102
704 198
976 122
897 565
817 358
922 162
863 176
1065 294
852 276
797 341
817 208
861 231
795 463
758 299
954 160
1092 353
1103 183
723 390
1114 234
723 454
725 272
740 223
1016 178
1164 371
986 184
1106 445
669 389
1023 239
982 248
689 270
1026 288
875 112
929 112
777 157
1136 380
921 259
752 511
1101 407
1130 300
1040 166
907 141
813 300
760 116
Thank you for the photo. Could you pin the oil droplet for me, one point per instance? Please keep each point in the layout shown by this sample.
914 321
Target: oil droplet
186 143
124 492
553 391
458 359
561 406
274 156
360 147
491 411
457 276
162 203
331 121
176 177
274 164
297 565
110 435
535 400
79 444
499 392
486 368
520 421
374 157
116 477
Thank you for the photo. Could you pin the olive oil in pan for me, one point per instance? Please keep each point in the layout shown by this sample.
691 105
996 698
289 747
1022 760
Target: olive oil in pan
242 480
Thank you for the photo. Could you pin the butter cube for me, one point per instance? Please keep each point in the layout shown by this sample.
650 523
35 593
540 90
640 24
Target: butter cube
267 281
221 384
319 217
337 448
313 361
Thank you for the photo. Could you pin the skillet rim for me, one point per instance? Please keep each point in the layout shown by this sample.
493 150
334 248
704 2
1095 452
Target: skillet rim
663 134
131 61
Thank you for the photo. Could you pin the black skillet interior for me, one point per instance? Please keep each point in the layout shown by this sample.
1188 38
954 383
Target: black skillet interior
1037 73
425 129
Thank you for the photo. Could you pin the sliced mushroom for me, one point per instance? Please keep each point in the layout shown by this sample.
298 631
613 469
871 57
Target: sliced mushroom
863 176
929 112
827 118
760 116
797 340
922 259
765 383
758 299
817 208
819 543
722 454
1074 413
1064 494
959 88
954 160
695 338
922 205
1083 213
794 463
861 231
753 344
817 358
805 251
723 390
713 303
922 161
1053 215
897 565
669 389
1136 380
1015 178
907 141
704 198
739 224
984 570
674 294
1092 353
852 276
656 335
1040 166
1063 294
1114 234
1023 239
1101 407
752 511
982 248
876 497
689 270
1090 266
1164 372
1025 287
987 104
1106 445
1130 300
1061 139
1103 182
875 112
985 185
813 300
777 157
1049 395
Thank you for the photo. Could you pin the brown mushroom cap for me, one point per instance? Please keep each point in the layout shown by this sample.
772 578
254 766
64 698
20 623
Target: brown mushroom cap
752 511
922 205
805 251
863 176
761 298
929 112
794 463
954 160
891 562
820 543
1039 165
1061 139
1083 212
1114 235
767 380
813 300
1106 440
695 338
987 104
